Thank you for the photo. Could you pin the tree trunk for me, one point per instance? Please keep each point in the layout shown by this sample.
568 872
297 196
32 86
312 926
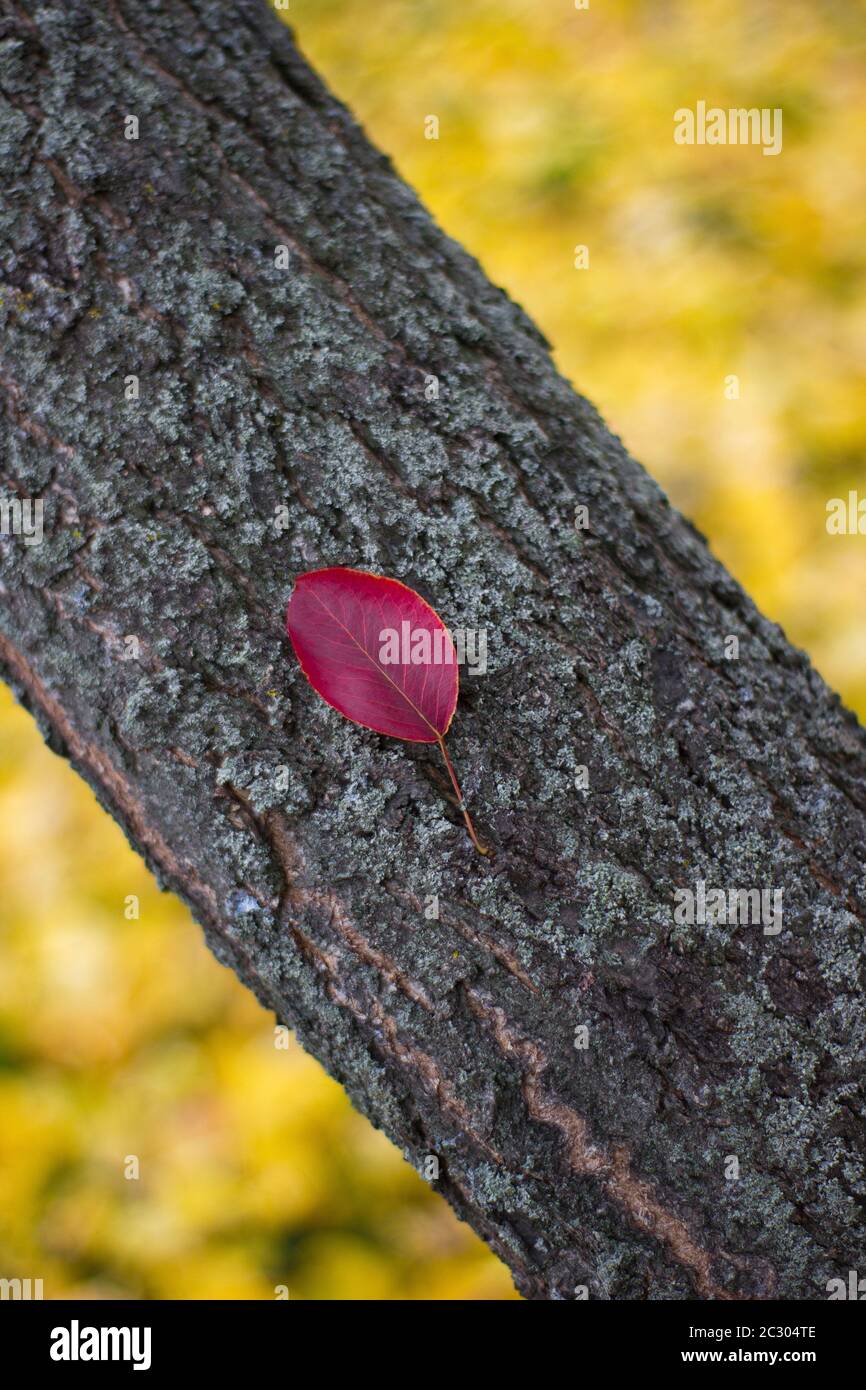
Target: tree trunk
366 397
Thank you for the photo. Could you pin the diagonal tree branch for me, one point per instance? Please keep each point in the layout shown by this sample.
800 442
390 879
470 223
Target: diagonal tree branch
235 348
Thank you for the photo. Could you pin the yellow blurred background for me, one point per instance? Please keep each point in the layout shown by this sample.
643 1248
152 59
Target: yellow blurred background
124 1037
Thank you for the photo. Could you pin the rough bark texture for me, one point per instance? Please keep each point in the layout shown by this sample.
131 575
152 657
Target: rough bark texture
307 847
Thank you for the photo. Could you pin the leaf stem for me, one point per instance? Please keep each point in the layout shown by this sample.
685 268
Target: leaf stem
460 802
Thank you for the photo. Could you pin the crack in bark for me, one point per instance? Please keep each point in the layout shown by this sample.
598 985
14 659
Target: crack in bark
612 1168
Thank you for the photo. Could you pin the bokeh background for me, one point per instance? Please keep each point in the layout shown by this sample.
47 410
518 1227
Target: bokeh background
124 1036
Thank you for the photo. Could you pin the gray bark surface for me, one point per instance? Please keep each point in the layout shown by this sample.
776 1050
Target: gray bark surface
307 847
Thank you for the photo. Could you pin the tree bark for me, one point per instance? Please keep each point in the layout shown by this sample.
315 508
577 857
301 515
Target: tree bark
285 423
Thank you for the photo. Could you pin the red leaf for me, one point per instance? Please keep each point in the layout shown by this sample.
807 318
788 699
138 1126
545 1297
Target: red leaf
375 651
340 622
